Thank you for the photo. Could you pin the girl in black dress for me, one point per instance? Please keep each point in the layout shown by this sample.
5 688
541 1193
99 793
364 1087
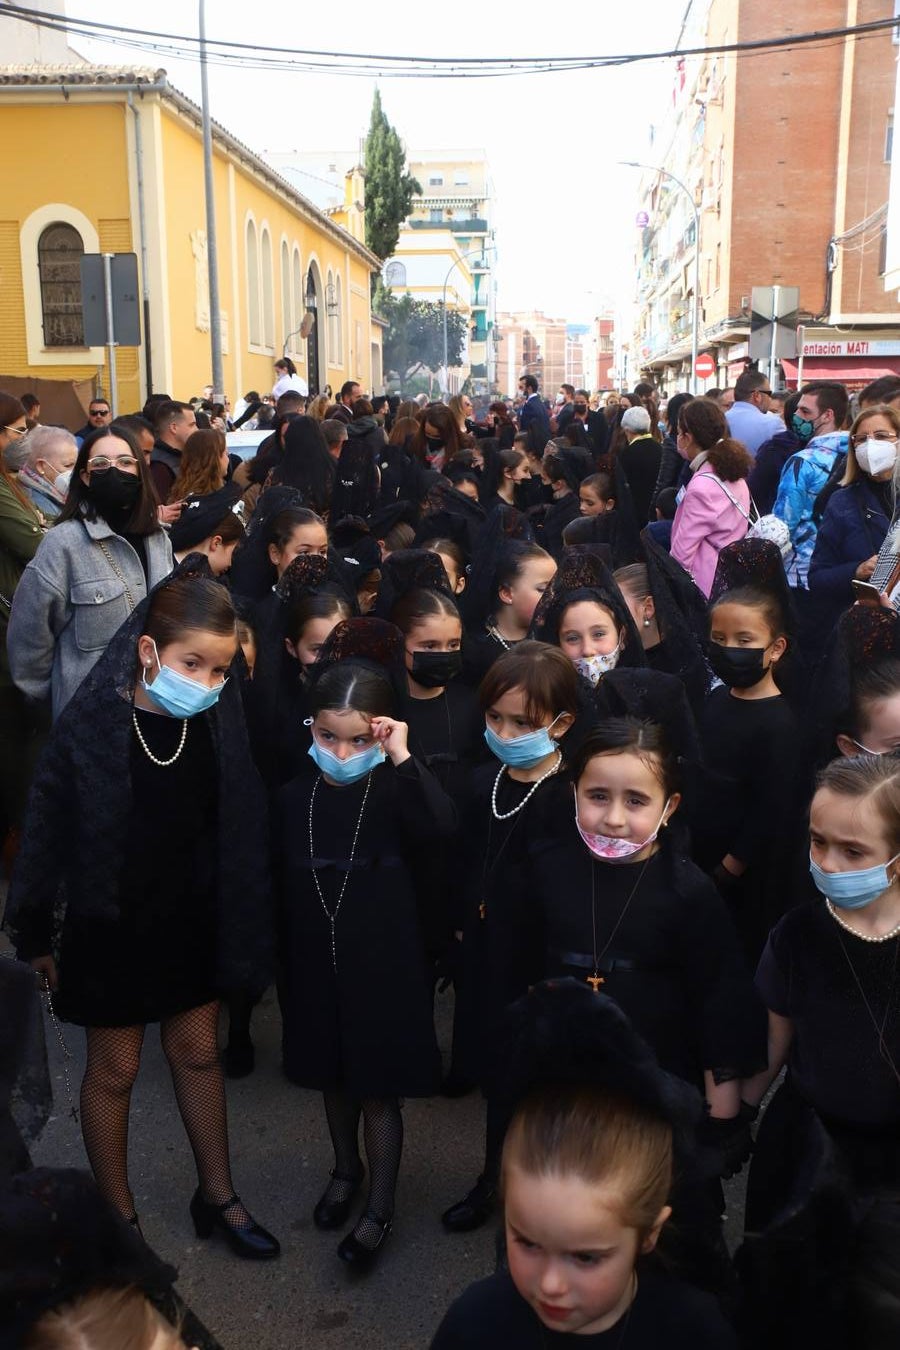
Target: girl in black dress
588 1165
446 729
746 821
583 613
355 998
626 911
520 574
830 978
147 817
530 699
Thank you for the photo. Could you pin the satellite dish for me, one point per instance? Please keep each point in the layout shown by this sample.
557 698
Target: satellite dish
306 326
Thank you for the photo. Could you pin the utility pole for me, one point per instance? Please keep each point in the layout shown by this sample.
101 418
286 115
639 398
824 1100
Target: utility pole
212 251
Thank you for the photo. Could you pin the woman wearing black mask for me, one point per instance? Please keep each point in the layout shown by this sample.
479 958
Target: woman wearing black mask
105 553
439 437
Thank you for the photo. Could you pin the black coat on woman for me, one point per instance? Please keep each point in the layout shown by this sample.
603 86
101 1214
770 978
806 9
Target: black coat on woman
357 1018
665 947
154 881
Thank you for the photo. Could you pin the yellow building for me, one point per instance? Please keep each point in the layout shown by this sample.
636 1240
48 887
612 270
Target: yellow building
111 160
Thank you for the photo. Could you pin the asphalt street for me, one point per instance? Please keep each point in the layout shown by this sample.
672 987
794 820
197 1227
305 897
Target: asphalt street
281 1156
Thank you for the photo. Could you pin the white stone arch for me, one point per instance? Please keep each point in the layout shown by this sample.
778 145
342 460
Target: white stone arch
314 270
297 301
29 235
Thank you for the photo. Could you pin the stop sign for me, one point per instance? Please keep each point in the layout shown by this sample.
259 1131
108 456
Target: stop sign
704 366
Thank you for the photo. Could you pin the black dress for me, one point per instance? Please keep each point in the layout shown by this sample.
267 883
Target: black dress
157 956
807 974
493 1315
357 1018
503 936
446 735
667 950
748 804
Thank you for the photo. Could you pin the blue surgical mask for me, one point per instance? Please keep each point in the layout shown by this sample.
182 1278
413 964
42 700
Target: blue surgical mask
522 752
345 771
177 694
853 890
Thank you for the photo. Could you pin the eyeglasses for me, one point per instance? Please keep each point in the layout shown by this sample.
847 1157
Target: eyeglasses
98 412
100 463
17 431
874 436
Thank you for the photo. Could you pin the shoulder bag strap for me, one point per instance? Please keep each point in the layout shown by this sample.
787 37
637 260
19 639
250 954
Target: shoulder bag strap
107 553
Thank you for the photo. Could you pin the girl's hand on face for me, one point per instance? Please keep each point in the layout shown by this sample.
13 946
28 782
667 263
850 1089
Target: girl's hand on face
393 737
45 967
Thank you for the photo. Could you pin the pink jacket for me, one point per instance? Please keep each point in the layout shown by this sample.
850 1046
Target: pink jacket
707 520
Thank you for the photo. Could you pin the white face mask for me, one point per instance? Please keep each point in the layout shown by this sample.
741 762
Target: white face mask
62 481
593 668
875 457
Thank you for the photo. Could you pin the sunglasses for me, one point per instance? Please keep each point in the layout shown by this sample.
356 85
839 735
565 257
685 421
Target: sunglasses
99 412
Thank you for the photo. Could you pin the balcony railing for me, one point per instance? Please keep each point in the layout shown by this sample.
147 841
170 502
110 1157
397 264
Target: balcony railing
474 225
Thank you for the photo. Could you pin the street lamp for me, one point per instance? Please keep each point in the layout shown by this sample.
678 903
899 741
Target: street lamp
473 252
695 332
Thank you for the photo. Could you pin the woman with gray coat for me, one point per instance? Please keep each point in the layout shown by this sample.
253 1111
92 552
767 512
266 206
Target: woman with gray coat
105 553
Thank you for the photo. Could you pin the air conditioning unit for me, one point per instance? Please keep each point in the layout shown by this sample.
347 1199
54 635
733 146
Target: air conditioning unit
745 302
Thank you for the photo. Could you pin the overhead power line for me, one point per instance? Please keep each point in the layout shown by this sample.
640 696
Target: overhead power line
253 55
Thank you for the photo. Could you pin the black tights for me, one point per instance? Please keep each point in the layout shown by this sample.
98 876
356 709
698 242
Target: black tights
383 1136
113 1059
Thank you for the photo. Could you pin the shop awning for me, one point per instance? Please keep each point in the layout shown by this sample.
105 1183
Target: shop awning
849 369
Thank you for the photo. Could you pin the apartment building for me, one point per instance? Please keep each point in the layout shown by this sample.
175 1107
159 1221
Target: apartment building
776 167
531 344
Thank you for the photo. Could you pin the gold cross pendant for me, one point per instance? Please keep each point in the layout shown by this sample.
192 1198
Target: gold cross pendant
595 982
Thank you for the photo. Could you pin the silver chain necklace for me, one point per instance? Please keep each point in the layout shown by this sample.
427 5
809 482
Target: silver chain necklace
163 763
331 915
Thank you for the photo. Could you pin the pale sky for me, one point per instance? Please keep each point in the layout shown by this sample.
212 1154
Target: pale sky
565 213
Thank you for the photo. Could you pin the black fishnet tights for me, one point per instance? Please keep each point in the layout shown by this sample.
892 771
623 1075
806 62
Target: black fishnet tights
113 1059
383 1136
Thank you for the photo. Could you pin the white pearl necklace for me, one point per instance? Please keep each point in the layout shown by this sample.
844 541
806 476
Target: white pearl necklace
505 815
864 937
163 763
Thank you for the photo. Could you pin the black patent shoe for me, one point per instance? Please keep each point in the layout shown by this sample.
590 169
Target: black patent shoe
357 1255
239 1059
334 1213
473 1211
253 1243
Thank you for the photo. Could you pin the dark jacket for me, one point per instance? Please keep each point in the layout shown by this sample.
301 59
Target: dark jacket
765 475
342 414
533 418
165 466
674 469
640 461
853 528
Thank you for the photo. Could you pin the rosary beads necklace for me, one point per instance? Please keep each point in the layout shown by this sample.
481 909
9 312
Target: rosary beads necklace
331 915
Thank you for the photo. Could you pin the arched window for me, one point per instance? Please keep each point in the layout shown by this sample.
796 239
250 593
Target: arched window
60 250
287 322
332 326
297 288
339 321
395 274
254 325
268 297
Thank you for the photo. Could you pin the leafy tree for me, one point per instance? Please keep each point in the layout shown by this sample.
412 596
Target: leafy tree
389 188
414 339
